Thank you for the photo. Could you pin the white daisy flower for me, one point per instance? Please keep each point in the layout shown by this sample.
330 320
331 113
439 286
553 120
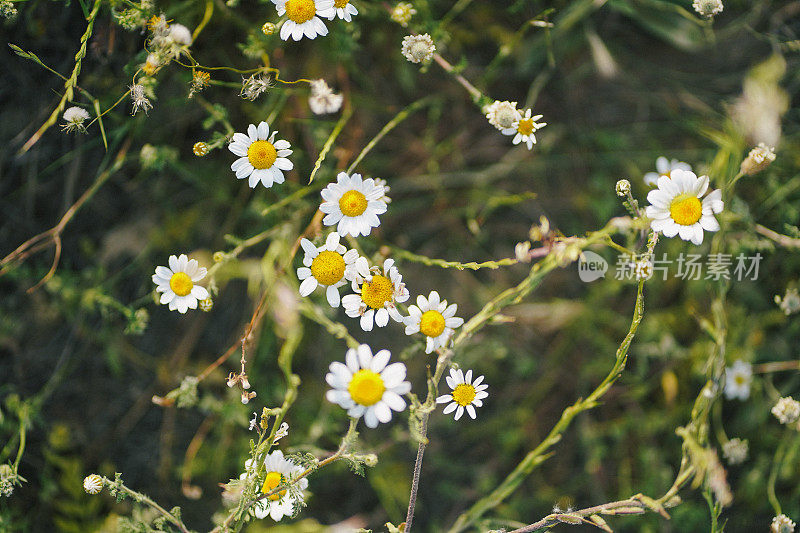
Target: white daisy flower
353 204
502 115
677 209
344 10
467 394
178 283
367 386
434 319
523 129
329 265
303 17
279 470
376 293
737 380
664 167
261 157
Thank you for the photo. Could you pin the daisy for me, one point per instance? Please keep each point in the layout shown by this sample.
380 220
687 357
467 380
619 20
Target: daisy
344 10
377 291
303 17
261 157
467 394
737 380
677 209
434 318
523 129
664 167
353 204
366 386
279 470
329 265
178 283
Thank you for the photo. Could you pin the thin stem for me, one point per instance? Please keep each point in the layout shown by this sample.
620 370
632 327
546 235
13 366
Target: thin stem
412 500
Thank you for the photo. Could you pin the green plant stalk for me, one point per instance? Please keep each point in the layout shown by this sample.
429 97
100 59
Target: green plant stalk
70 84
541 453
346 114
429 261
141 498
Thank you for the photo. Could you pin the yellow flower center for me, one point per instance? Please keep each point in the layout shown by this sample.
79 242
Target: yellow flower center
686 210
526 126
353 203
272 480
431 323
180 283
328 267
377 292
300 11
340 3
262 154
739 379
463 394
366 388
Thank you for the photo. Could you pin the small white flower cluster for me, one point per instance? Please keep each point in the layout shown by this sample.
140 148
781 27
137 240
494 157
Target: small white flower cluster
255 86
402 13
786 410
790 302
782 524
74 117
735 451
758 159
323 100
139 99
418 48
708 8
738 378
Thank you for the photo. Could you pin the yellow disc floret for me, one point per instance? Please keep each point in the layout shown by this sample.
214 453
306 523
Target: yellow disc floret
262 154
366 388
377 292
300 11
431 323
353 203
180 283
686 210
526 126
328 267
340 4
272 480
463 394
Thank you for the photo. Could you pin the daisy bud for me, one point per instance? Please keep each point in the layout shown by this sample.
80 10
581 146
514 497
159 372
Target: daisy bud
74 117
418 48
787 410
708 8
200 149
268 28
402 13
623 187
502 115
371 460
206 304
151 64
782 524
93 484
758 159
323 100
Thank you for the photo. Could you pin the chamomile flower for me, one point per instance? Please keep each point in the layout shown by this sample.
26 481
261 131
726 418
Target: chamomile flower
377 290
737 380
261 157
433 318
664 167
523 129
285 502
329 265
178 283
677 208
367 385
466 394
304 17
353 204
344 10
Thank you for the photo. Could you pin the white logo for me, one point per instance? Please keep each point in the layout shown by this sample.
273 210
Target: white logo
591 267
